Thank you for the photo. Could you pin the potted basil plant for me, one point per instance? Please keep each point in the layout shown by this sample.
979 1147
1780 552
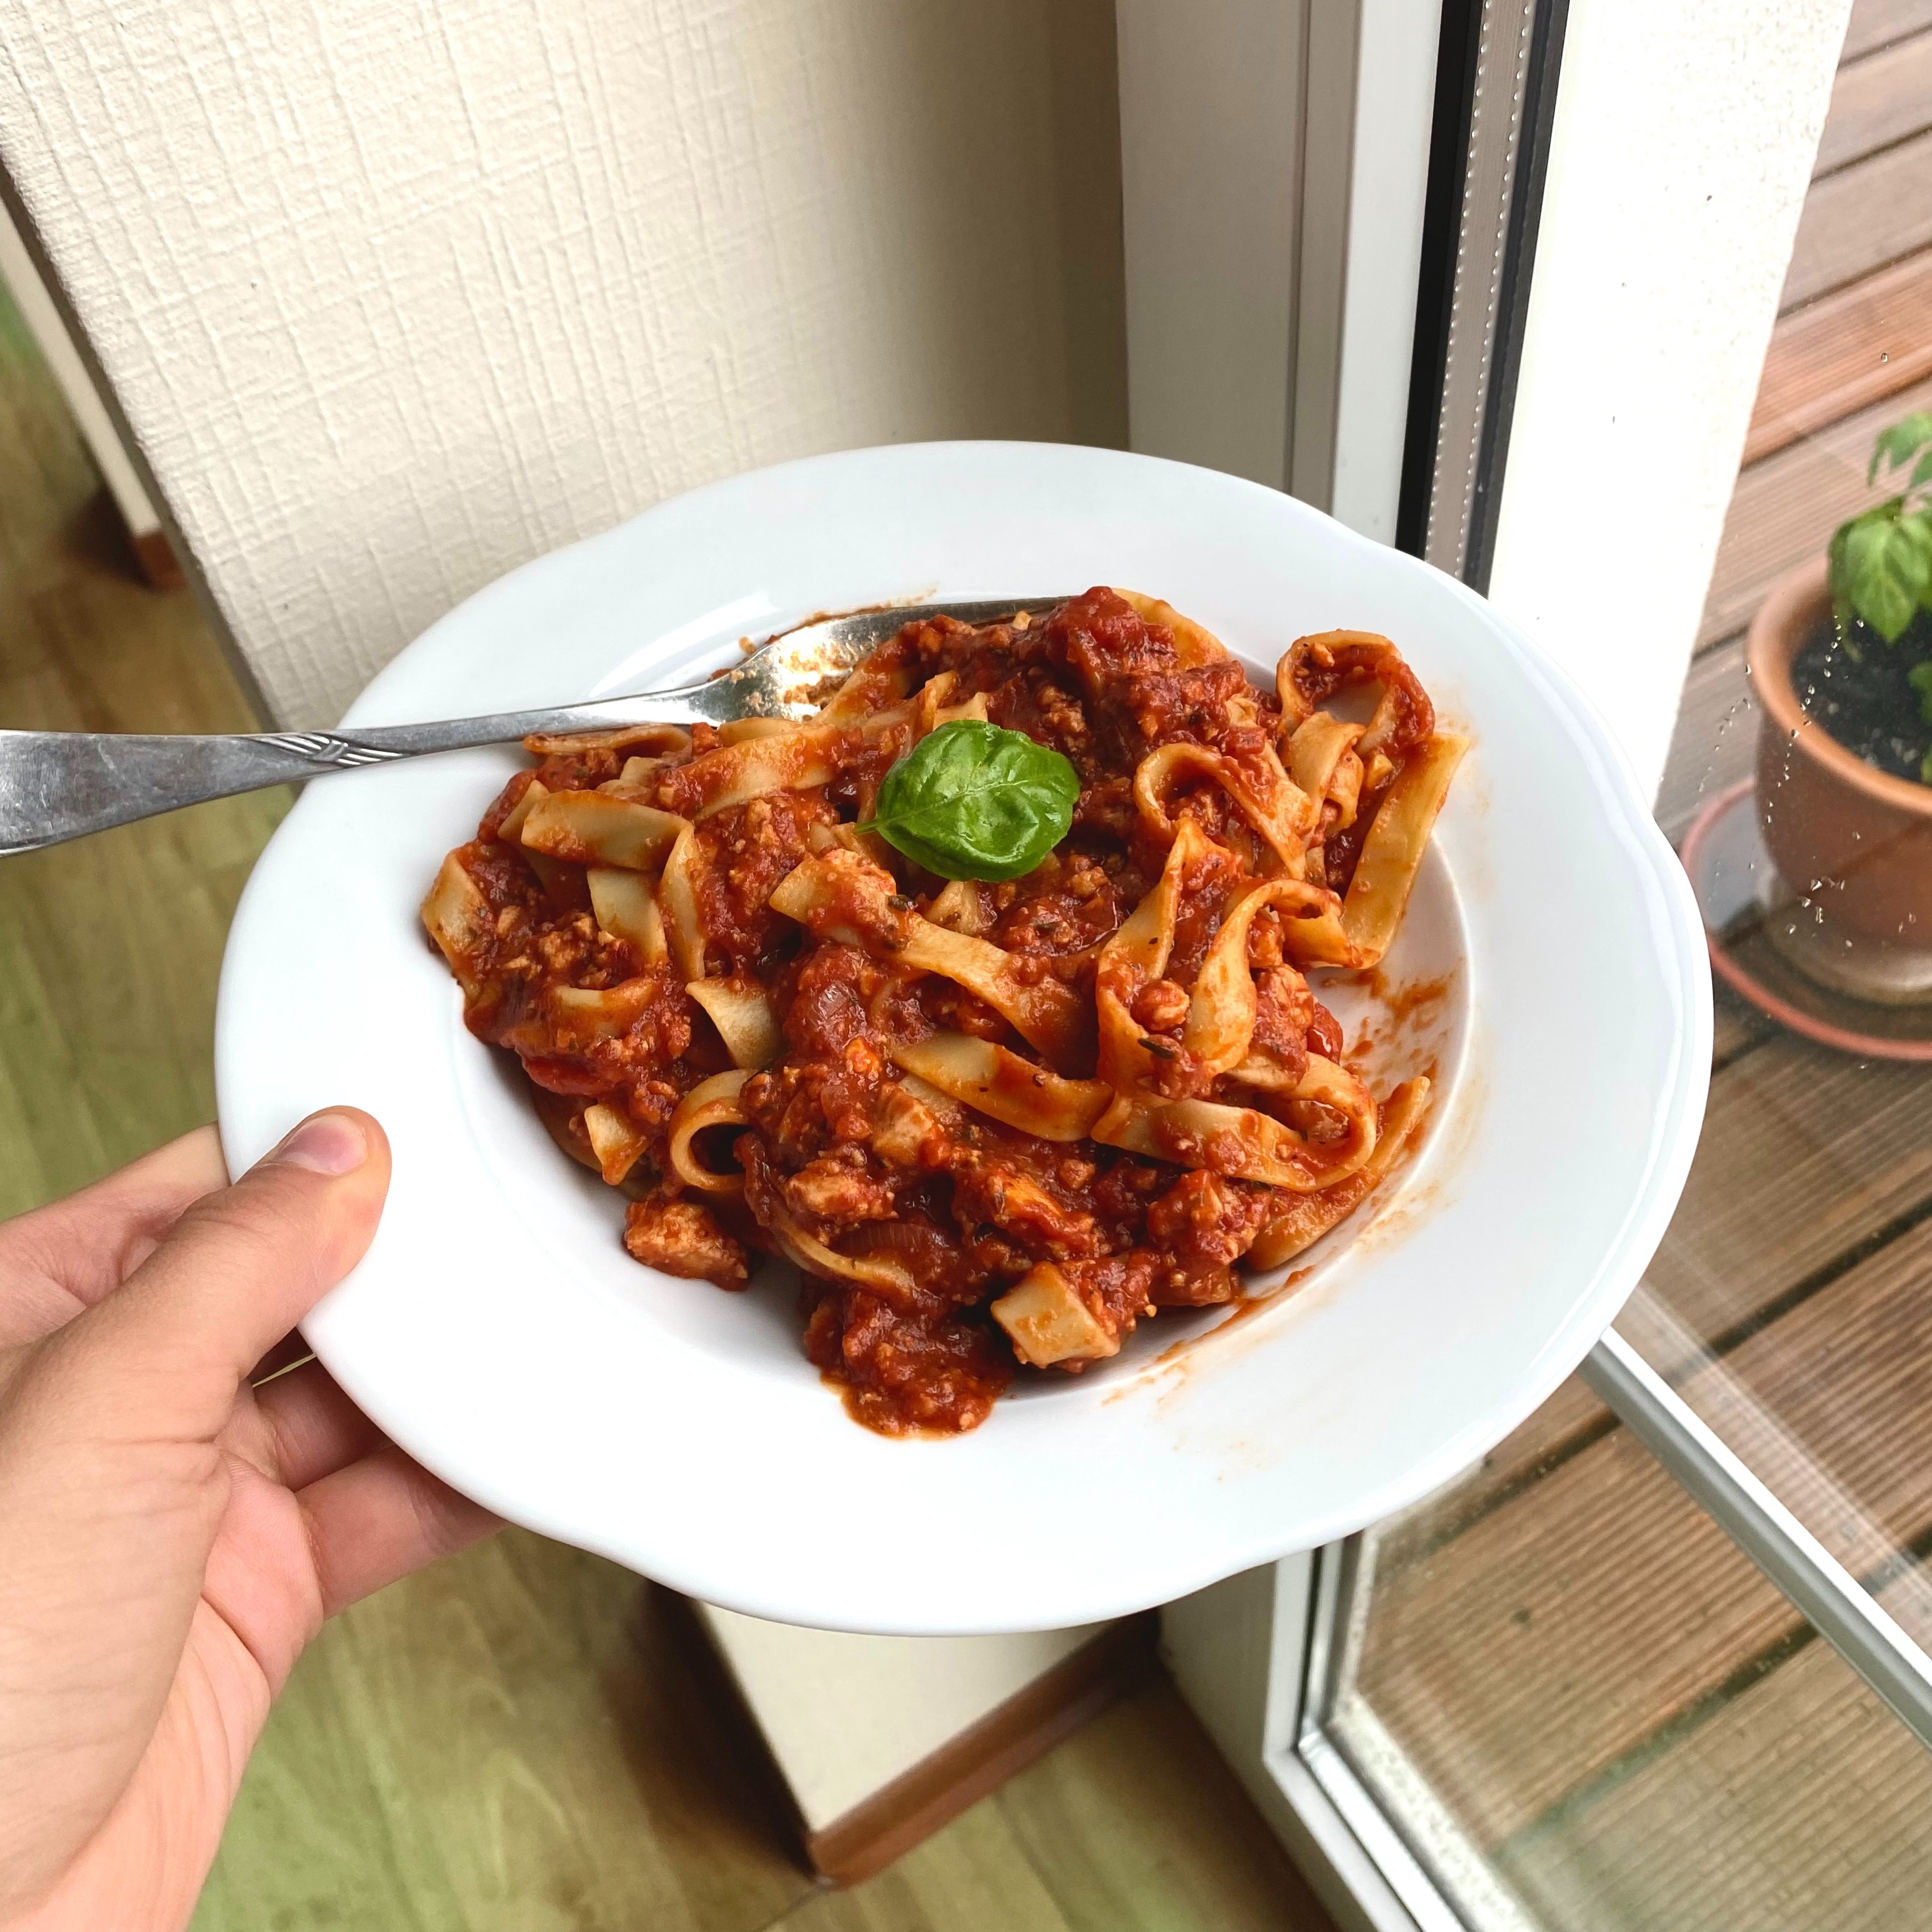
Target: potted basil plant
1841 661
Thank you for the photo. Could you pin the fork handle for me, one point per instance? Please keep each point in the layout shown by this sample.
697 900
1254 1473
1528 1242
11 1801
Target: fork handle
58 785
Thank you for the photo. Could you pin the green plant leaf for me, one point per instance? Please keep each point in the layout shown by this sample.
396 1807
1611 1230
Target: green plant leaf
974 801
1897 445
1881 566
1920 678
1915 532
1921 472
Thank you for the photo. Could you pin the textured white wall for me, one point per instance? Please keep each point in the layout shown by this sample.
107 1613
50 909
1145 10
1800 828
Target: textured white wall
395 294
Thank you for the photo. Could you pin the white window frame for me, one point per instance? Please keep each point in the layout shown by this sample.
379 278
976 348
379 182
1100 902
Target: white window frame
1628 198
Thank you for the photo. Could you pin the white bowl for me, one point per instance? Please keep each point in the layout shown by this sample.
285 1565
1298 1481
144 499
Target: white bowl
500 1333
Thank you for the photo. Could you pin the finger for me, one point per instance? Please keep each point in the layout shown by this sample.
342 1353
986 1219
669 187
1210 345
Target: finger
63 1258
163 1358
381 1519
307 1428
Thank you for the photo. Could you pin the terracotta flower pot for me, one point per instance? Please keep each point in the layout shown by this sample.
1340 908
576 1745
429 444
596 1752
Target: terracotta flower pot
1853 844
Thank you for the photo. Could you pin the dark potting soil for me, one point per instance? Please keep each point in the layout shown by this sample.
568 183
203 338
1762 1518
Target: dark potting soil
1858 689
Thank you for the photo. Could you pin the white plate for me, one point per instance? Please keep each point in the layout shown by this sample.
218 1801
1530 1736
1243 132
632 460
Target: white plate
499 1332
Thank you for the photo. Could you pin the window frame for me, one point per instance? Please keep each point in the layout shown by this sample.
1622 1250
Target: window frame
1438 219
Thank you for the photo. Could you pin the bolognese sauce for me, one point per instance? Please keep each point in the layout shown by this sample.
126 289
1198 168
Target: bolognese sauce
996 1125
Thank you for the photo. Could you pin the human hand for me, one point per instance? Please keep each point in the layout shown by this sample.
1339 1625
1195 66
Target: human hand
170 1538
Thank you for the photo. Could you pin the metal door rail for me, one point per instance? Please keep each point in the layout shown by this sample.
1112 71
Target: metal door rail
1840 1609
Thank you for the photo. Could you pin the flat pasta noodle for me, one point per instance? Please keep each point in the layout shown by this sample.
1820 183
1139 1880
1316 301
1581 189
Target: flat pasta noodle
992 1080
625 903
586 1015
1302 1222
842 896
512 829
961 907
677 905
1392 854
1313 667
1044 1013
885 1273
998 1120
780 761
1246 1144
646 739
1324 764
460 920
1051 1323
1278 810
594 828
1136 954
714 1102
741 1009
798 758
739 730
617 1141
639 778
1193 643
878 680
1221 1009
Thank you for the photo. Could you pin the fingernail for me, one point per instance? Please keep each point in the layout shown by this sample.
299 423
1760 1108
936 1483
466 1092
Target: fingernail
329 1143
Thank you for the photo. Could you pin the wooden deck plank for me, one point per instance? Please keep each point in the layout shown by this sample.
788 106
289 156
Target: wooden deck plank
1876 23
1832 1405
1843 352
1735 1027
1806 1153
1884 98
1860 218
1570 1625
1800 1804
1784 509
1558 1632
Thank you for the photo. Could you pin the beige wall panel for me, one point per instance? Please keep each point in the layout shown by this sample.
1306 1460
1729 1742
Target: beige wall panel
395 294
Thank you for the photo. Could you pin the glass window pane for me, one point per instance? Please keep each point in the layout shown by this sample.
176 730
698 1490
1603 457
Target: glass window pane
1589 1712
1792 1299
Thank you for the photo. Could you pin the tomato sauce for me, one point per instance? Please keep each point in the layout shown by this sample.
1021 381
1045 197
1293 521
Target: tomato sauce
836 1144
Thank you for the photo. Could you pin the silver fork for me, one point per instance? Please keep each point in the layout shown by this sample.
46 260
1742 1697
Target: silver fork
57 785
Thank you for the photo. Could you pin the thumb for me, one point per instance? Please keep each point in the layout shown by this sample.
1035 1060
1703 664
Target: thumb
170 1347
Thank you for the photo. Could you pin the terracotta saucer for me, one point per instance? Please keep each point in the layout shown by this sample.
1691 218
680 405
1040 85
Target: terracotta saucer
1732 874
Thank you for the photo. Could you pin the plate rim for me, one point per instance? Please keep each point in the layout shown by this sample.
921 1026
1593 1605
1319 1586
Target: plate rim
1675 1125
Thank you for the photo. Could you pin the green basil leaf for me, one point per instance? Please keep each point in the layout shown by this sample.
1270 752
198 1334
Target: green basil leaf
973 801
1920 678
1897 445
1882 567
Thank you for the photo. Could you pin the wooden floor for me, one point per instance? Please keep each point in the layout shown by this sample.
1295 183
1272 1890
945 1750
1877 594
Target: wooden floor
1618 1713
515 1742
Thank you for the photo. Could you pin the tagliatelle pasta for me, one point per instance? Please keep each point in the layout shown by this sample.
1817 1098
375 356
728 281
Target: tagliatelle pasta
997 1121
